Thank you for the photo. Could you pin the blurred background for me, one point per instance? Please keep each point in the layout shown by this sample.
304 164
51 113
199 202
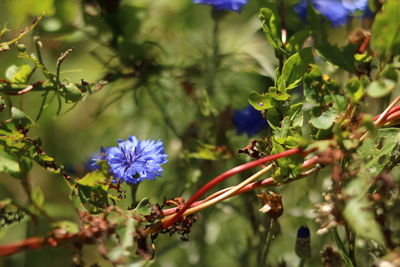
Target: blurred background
174 76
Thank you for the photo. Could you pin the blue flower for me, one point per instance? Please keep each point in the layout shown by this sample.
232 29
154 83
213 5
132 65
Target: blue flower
337 11
249 120
92 164
303 232
133 160
234 5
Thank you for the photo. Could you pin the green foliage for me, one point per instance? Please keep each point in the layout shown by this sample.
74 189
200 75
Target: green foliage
385 38
169 70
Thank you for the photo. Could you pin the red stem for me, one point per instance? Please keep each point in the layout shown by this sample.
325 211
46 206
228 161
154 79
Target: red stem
393 115
393 110
308 163
220 178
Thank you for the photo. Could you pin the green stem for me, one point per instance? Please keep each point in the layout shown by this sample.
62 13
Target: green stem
270 238
167 118
351 239
134 188
215 53
302 262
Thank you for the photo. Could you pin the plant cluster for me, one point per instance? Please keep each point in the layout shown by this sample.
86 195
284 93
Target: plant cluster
324 128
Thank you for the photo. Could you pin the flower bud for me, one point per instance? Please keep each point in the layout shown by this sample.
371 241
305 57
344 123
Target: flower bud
303 243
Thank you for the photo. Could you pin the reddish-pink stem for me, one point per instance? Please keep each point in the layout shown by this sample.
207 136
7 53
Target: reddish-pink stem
394 109
393 115
220 178
308 163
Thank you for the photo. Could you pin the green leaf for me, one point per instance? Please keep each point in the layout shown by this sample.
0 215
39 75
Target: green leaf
313 84
323 120
8 163
71 93
209 152
376 152
295 115
296 41
358 213
386 30
20 118
20 74
271 24
70 227
355 89
287 167
341 57
92 190
144 207
38 196
261 102
125 251
381 88
295 67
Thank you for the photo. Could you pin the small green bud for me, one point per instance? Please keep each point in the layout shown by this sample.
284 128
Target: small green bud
21 47
72 93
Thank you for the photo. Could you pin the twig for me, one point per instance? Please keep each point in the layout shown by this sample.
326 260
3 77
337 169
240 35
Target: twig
225 176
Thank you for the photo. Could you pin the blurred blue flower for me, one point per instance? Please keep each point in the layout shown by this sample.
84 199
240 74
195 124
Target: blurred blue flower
133 160
234 5
303 243
92 165
337 11
303 232
249 120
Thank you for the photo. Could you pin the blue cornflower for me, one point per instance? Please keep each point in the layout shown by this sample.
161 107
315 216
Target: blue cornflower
337 11
303 232
303 243
133 160
92 163
248 120
234 5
